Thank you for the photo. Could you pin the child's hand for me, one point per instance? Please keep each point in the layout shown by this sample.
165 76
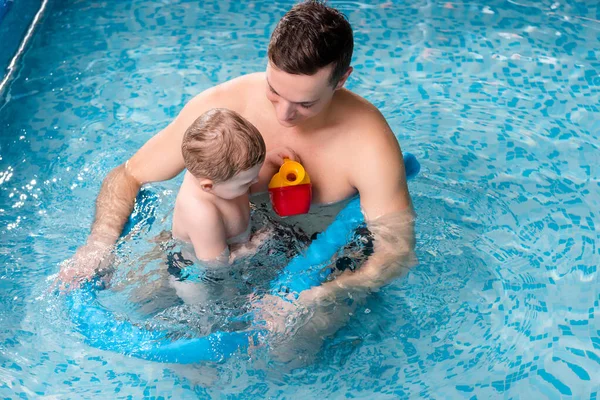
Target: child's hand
250 247
274 158
273 161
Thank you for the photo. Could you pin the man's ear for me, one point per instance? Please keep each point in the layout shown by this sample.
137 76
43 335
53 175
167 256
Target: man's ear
206 185
344 78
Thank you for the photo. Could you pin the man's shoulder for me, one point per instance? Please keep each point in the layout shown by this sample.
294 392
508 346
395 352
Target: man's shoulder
361 118
366 133
240 88
234 94
357 110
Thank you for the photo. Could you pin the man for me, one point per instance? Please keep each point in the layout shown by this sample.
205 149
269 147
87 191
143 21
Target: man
303 112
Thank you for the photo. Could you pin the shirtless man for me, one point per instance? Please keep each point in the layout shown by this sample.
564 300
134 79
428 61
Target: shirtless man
301 108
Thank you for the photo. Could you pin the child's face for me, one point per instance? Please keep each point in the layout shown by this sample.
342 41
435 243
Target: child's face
238 185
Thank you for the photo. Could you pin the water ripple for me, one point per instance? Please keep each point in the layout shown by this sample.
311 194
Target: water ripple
499 101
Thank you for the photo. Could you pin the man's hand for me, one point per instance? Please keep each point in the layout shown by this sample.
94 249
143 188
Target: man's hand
282 316
316 296
89 260
279 315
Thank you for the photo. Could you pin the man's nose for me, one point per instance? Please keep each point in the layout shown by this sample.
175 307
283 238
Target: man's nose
285 110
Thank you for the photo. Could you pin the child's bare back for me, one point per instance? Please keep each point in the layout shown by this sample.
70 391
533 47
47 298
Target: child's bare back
223 154
210 223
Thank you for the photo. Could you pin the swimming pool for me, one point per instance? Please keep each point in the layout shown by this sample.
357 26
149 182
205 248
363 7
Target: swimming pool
499 101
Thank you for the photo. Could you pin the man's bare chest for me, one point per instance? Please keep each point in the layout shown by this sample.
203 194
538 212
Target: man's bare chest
326 160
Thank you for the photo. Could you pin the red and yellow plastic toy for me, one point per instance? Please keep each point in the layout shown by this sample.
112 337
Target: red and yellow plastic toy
290 189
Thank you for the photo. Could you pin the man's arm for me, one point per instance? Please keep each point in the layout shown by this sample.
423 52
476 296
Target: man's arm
385 201
159 159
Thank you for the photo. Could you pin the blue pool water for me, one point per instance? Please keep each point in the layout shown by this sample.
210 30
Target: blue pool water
499 101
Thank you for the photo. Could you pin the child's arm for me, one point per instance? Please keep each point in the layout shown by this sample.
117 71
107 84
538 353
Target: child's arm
204 226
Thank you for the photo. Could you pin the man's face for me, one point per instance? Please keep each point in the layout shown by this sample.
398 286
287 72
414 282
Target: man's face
297 98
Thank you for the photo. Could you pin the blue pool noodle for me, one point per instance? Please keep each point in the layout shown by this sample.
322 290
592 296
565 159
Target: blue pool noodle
308 270
103 330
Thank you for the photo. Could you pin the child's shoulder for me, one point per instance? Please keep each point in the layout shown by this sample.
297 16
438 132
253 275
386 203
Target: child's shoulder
194 207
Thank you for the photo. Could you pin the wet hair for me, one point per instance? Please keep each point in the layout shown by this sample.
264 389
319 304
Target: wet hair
312 36
220 144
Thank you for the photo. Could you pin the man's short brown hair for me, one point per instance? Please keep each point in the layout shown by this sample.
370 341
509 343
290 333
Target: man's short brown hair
309 37
220 144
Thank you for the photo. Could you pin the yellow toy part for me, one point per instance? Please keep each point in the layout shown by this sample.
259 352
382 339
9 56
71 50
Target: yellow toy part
291 173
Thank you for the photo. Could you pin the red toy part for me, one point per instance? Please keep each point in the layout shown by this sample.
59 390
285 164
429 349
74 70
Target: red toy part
291 200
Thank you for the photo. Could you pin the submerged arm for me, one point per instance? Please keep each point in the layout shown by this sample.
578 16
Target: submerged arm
386 204
393 254
159 159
